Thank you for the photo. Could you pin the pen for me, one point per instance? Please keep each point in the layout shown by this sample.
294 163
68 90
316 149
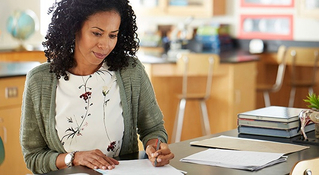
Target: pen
157 147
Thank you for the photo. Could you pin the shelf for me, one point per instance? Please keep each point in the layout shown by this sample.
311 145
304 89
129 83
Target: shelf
198 8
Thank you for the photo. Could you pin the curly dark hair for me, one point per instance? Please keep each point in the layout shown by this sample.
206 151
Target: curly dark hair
68 18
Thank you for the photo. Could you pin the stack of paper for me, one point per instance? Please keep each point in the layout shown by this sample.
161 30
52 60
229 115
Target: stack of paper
247 160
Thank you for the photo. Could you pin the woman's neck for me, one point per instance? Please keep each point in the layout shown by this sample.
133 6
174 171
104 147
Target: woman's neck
84 70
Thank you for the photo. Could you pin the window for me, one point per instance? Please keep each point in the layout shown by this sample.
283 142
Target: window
44 17
266 27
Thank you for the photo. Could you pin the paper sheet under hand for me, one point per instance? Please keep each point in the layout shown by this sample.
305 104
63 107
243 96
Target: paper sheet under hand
247 160
140 167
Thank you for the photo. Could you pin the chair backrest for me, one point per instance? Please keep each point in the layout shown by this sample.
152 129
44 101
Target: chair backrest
281 59
197 64
303 56
2 153
306 167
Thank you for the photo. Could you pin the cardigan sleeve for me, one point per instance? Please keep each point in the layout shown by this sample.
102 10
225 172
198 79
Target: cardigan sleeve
150 118
37 155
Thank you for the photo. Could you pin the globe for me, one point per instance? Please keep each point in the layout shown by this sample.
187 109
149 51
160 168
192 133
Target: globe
22 24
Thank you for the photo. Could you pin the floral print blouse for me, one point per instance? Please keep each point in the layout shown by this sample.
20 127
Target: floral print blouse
89 113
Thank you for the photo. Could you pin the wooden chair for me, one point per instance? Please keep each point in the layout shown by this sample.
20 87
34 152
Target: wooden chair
267 88
299 57
194 64
306 167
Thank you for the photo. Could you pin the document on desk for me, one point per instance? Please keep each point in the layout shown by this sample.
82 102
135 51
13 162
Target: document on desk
246 160
243 144
140 167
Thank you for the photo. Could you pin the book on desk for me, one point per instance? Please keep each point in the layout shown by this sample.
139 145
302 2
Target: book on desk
272 113
267 124
274 121
286 133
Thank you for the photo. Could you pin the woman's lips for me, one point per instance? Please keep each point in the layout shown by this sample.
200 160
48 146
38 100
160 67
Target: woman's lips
99 55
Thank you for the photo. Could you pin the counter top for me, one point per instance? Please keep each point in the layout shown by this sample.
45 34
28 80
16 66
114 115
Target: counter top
233 56
11 69
8 69
237 56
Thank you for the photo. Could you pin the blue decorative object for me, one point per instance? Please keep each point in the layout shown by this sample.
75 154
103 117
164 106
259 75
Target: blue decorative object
22 24
178 2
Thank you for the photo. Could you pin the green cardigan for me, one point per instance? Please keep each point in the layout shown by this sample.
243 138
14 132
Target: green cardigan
39 139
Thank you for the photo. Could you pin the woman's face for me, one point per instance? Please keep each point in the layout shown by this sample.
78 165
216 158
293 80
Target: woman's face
96 39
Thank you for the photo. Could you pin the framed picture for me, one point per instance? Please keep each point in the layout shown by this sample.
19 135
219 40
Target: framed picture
266 27
267 3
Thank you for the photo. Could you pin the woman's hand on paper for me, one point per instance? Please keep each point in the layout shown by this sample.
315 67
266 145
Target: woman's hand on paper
94 159
163 155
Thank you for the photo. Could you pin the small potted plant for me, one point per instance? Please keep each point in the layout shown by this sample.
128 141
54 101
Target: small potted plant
313 101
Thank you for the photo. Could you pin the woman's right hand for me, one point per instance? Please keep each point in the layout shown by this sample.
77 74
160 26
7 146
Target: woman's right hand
94 159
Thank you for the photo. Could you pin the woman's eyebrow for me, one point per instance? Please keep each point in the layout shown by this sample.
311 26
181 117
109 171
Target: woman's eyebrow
103 30
115 31
98 28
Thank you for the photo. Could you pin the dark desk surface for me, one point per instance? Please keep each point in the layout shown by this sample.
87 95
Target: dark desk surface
11 69
232 56
183 149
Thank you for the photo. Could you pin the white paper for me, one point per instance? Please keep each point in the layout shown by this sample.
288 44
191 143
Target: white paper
140 167
248 160
244 144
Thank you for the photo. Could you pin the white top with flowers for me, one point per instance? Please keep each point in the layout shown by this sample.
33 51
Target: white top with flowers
89 113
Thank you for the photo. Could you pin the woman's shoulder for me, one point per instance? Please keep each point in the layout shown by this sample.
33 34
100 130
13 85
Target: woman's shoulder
41 70
134 63
134 68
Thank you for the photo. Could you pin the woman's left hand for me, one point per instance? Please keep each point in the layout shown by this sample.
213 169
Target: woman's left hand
163 155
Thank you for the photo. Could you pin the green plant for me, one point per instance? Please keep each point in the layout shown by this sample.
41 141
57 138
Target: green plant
313 101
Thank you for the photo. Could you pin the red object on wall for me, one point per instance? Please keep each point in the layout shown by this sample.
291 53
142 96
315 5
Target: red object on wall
257 3
266 27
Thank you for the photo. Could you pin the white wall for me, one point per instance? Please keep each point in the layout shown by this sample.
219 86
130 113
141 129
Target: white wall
305 29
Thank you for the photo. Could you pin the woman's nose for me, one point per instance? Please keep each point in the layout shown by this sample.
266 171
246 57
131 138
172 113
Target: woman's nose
103 44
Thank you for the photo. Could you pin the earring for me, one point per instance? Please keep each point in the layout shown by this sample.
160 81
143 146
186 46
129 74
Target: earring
72 46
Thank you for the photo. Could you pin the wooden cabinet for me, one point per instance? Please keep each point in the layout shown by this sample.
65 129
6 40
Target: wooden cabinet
194 8
11 90
233 92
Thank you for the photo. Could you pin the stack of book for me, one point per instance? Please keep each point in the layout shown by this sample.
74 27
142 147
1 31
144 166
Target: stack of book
215 38
274 121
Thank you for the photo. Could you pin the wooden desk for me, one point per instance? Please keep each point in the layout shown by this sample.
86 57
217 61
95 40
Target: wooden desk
233 92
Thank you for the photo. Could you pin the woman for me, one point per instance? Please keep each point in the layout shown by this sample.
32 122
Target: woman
87 104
